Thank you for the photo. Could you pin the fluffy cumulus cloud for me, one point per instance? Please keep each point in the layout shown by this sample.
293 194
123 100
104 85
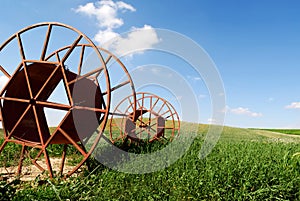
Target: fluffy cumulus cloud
244 111
135 41
107 14
293 105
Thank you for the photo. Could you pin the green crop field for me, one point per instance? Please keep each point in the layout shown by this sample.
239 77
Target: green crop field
285 131
246 164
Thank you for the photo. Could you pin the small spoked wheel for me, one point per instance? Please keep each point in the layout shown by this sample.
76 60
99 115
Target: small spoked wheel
154 119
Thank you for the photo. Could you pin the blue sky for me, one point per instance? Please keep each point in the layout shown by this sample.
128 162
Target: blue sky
254 44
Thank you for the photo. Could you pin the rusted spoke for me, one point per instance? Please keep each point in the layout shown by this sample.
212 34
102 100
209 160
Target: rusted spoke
65 80
15 99
53 105
4 72
106 61
43 62
21 47
73 142
57 57
46 82
162 106
90 109
117 87
38 125
85 75
118 114
81 59
46 42
19 120
71 48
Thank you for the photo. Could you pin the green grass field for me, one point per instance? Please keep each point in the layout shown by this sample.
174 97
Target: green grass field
285 131
246 164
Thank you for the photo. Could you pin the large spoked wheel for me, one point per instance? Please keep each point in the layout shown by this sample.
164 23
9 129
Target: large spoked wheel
120 80
29 93
154 119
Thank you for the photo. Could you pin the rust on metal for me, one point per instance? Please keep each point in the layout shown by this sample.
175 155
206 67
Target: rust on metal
154 119
27 94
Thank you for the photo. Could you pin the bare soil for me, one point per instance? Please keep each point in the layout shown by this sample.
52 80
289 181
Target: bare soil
31 172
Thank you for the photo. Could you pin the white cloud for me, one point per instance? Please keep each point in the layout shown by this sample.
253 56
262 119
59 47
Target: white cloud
105 35
244 111
293 105
107 13
136 41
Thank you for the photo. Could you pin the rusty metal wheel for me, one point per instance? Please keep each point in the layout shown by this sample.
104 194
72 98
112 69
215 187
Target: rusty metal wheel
154 119
33 75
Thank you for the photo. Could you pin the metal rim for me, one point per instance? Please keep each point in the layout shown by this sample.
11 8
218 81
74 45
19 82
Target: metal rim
146 103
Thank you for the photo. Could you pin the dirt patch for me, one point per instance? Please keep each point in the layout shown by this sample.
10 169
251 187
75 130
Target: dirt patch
31 172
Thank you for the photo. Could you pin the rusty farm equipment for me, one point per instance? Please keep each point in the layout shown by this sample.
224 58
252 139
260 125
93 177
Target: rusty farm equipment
46 61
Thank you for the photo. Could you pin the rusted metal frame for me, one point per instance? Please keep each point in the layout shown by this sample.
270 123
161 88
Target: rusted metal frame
21 159
171 115
106 61
79 164
18 122
3 145
5 72
139 105
81 59
64 153
162 106
65 81
46 42
118 86
169 128
71 48
143 98
46 82
151 97
63 69
38 125
90 109
57 57
2 122
48 163
166 112
53 105
34 161
86 75
57 129
22 53
44 148
15 99
41 62
145 123
28 144
72 142
130 104
157 99
173 121
118 114
11 79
